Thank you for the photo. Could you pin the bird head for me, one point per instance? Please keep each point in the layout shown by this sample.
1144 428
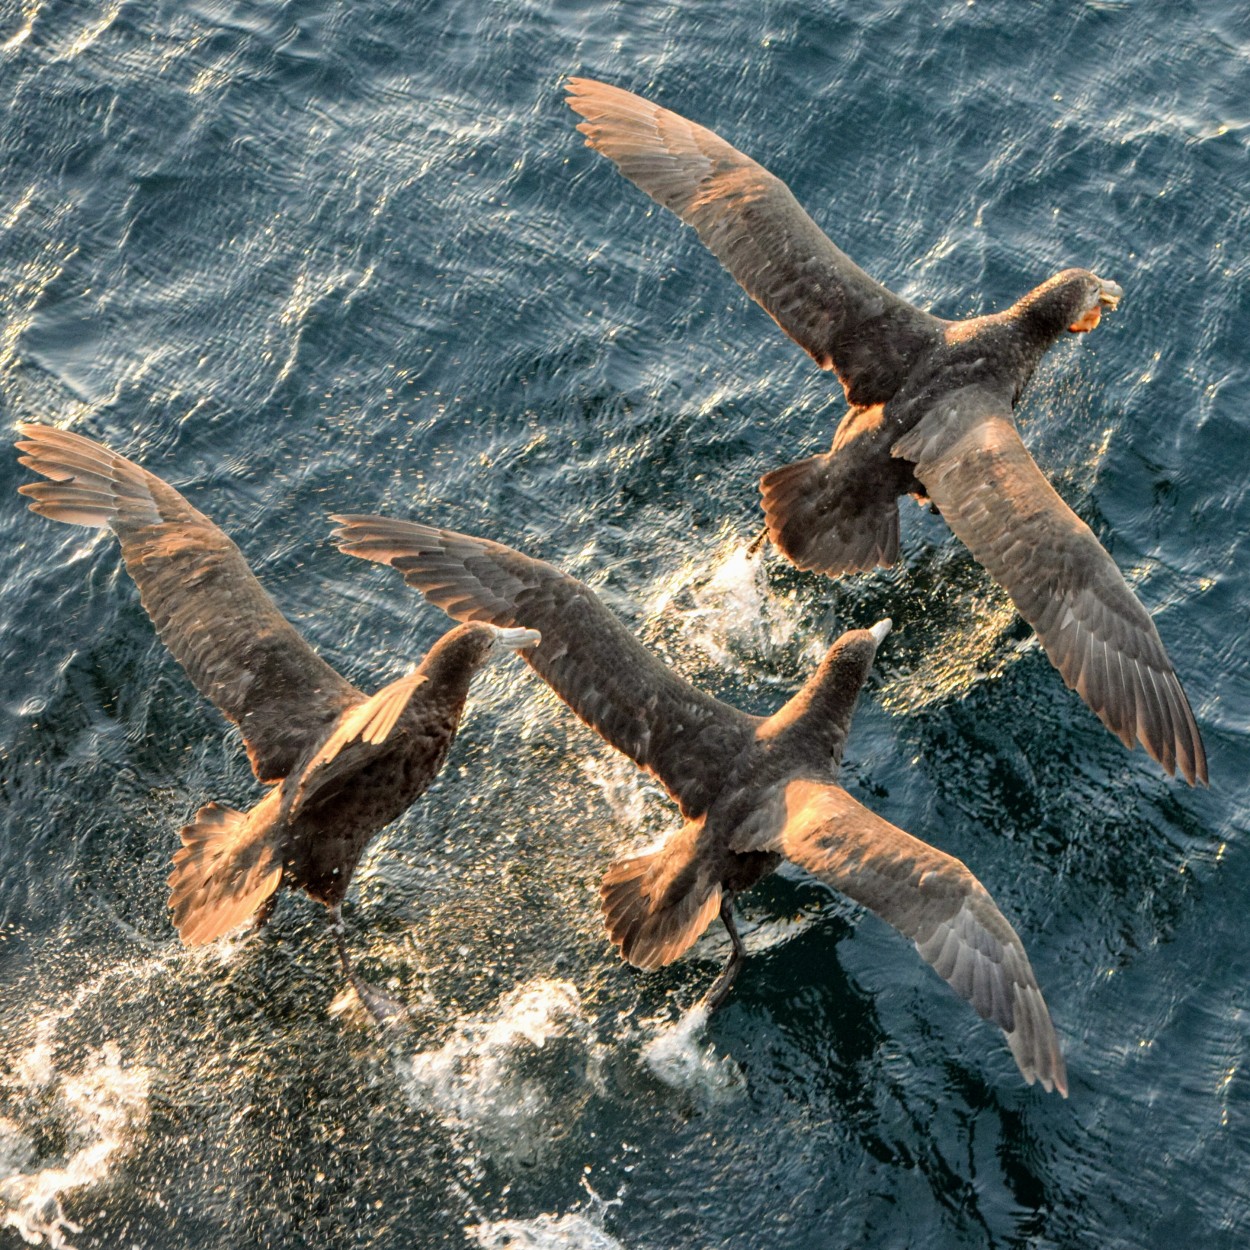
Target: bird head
1072 300
850 658
463 649
1099 293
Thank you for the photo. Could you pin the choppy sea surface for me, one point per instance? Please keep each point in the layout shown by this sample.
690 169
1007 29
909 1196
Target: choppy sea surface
308 257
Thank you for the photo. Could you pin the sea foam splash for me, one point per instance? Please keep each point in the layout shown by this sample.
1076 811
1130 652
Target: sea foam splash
544 1232
98 1109
626 790
682 1058
730 606
514 1079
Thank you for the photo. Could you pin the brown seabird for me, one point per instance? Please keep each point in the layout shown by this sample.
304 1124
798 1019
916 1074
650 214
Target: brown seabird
752 790
342 764
930 414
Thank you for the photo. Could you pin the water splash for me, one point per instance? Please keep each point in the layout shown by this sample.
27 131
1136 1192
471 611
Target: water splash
575 1230
544 1232
514 1079
98 1110
729 607
681 1057
625 788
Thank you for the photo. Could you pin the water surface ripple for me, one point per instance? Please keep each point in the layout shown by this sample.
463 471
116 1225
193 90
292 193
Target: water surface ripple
304 257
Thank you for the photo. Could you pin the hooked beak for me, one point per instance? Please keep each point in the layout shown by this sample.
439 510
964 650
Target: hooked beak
880 629
1109 293
516 638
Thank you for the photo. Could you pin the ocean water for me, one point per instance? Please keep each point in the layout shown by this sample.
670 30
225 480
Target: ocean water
308 257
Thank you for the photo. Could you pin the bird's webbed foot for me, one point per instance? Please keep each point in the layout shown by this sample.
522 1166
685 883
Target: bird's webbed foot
381 1006
720 988
920 493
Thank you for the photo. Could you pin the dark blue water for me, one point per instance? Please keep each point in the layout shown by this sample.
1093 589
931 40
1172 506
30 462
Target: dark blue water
311 257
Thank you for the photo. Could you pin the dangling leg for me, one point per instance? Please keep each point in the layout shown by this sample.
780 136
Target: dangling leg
758 541
382 1007
721 986
260 917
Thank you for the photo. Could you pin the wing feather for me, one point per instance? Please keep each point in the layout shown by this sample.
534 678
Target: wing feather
361 733
1095 631
588 657
933 899
749 219
209 609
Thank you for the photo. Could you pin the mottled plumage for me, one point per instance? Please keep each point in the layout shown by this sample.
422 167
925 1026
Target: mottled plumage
752 789
931 403
344 764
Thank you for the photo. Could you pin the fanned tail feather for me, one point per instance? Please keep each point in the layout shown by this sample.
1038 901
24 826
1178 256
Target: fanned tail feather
229 865
825 524
656 905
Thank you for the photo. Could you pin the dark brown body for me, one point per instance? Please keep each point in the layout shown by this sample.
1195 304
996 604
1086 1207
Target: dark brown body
311 830
751 790
930 414
837 512
324 843
805 739
342 764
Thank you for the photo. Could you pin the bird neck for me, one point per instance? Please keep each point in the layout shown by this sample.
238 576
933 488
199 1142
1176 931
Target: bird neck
817 719
1048 310
451 662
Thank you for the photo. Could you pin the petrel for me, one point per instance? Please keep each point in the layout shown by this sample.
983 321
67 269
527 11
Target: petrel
342 764
930 414
752 790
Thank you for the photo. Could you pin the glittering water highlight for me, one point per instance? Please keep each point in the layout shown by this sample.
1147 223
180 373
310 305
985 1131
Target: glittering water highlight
310 258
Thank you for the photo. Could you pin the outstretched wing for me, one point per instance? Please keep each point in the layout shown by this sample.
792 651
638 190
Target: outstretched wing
1097 634
933 899
618 687
750 220
208 608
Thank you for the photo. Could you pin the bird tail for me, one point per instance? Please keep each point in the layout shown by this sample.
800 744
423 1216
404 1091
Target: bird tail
657 904
229 865
820 517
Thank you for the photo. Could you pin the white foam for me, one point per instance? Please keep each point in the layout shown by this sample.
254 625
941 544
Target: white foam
625 788
100 1108
544 1232
734 606
728 605
514 1079
680 1057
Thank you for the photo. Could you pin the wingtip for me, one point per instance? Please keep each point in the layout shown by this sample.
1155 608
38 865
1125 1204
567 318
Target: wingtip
1056 1083
1195 765
34 430
1182 750
579 85
354 532
342 522
1052 1076
576 89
